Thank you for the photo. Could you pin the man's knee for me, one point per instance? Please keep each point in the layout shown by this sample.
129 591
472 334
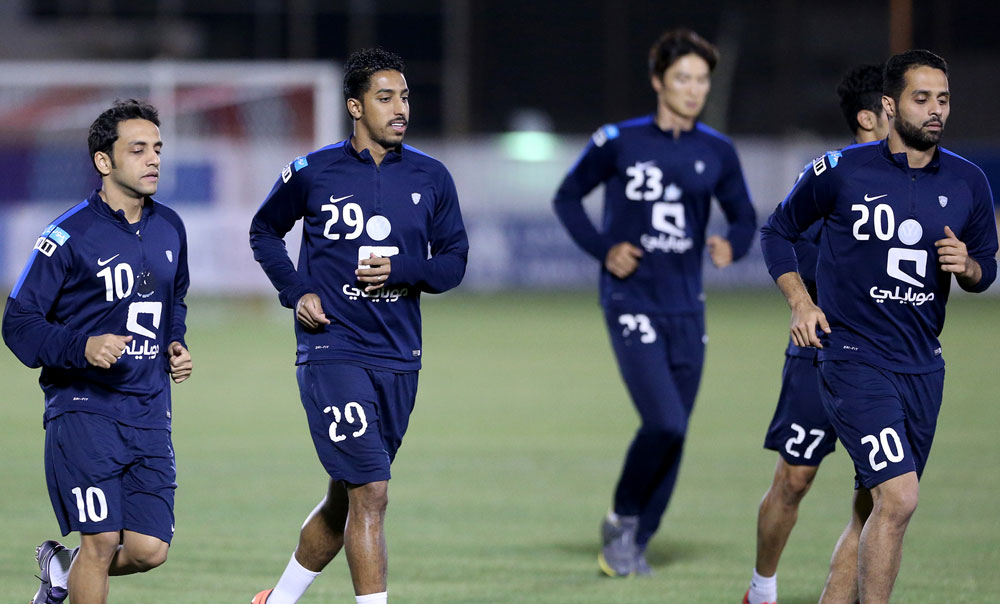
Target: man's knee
793 482
145 552
100 547
896 499
369 499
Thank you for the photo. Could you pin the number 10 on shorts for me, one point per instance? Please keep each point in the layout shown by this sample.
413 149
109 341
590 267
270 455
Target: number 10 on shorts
95 506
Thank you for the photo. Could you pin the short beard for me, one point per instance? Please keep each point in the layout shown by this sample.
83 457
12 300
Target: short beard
914 137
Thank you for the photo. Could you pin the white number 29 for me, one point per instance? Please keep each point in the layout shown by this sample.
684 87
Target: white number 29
353 218
349 416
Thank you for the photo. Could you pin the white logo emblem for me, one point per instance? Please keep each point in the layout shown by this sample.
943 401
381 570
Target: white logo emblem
910 231
103 262
897 255
415 197
699 166
672 193
869 198
286 173
378 227
170 256
943 200
336 199
45 246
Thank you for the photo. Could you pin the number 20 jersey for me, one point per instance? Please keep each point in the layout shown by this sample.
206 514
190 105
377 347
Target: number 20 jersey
658 192
405 208
93 273
878 274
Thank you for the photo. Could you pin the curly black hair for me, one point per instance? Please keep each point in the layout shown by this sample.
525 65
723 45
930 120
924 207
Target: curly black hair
362 64
676 43
104 131
894 76
861 88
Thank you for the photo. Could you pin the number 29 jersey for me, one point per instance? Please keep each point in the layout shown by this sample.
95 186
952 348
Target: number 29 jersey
658 192
878 273
405 208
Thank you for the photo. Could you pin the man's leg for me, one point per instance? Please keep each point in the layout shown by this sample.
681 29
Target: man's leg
111 554
320 540
881 547
365 537
779 509
842 582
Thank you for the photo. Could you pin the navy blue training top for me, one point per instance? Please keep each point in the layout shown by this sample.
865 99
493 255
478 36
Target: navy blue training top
93 273
406 209
878 274
657 196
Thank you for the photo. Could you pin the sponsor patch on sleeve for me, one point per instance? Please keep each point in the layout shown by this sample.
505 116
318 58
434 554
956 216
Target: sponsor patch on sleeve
45 245
58 235
605 134
286 173
299 163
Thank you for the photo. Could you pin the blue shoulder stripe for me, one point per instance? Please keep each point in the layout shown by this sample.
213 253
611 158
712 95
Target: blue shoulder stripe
700 127
636 121
328 147
417 151
858 145
34 252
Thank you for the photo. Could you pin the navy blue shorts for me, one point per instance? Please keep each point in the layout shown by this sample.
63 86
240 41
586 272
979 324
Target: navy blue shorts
800 431
104 476
660 358
357 417
884 419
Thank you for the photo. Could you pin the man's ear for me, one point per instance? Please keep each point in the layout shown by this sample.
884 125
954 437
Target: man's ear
889 105
867 119
103 162
355 108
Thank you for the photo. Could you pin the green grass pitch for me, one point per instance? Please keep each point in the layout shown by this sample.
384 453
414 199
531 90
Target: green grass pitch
512 453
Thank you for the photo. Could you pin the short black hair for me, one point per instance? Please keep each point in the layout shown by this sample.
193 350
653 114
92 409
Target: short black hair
104 131
894 77
860 89
362 64
676 43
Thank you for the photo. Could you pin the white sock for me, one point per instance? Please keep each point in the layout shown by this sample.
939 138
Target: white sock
379 598
59 565
293 583
763 590
613 517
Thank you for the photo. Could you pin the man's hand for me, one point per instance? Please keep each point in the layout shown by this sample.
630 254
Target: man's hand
104 351
954 258
720 251
806 316
377 274
309 311
622 259
180 362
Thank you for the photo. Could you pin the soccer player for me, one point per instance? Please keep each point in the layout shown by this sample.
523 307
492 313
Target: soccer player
901 217
381 224
100 308
800 431
660 174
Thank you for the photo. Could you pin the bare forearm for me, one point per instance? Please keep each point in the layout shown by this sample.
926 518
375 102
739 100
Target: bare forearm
793 288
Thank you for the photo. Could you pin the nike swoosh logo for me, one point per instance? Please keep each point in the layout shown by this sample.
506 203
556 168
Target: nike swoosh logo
103 262
336 199
867 198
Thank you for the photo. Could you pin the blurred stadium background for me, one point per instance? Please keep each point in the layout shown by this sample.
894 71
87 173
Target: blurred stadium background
522 420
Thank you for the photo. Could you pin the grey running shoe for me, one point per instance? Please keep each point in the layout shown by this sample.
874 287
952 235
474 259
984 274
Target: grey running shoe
48 593
618 554
641 566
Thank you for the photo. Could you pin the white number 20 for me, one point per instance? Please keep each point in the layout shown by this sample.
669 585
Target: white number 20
893 453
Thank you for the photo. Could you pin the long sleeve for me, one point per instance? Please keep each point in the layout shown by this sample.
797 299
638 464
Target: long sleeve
595 165
285 205
734 198
803 206
449 248
27 330
181 282
981 235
